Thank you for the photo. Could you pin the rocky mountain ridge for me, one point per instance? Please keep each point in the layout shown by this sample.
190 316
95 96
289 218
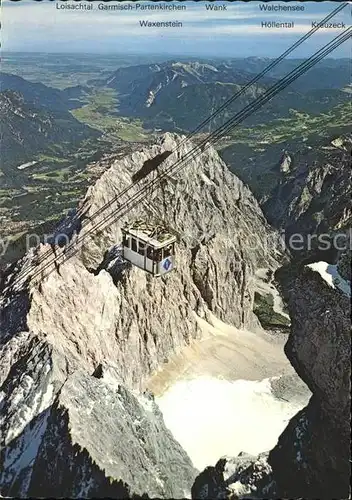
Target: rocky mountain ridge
329 73
312 457
162 95
27 129
38 94
175 74
313 194
103 328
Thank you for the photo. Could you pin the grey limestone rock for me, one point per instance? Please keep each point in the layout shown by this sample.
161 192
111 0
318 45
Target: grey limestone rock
312 456
101 440
90 312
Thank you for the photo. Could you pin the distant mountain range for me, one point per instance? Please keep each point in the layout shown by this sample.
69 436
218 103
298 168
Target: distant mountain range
41 95
327 74
172 95
28 129
175 95
178 96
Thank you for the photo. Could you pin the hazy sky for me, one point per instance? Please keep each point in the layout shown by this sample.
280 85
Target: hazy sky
30 25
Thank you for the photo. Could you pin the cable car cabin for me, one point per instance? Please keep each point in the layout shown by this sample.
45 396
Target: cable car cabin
149 247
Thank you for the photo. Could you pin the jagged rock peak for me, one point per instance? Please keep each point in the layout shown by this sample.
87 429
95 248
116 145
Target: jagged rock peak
314 192
201 185
312 457
92 311
285 163
313 453
102 440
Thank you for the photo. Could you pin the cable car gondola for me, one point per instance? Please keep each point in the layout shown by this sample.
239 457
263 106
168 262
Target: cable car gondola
150 247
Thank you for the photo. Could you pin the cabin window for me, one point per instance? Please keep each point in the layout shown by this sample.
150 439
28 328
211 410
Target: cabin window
150 253
126 241
134 245
158 256
167 251
141 248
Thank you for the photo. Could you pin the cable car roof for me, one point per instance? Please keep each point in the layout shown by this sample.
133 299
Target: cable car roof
155 235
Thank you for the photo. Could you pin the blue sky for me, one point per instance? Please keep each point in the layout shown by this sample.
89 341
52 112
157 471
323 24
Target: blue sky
30 25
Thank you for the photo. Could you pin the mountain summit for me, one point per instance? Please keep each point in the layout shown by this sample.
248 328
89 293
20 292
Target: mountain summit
77 346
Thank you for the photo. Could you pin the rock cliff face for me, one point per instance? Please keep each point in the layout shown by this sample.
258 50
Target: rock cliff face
312 455
28 128
311 459
77 345
314 193
97 432
38 94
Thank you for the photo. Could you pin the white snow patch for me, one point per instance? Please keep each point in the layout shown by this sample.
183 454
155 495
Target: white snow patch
331 275
29 402
86 488
207 180
26 165
212 417
269 288
22 453
147 404
47 398
20 391
111 380
239 489
159 481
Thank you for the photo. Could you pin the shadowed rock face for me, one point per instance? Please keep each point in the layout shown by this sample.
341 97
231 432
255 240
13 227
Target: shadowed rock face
344 265
29 128
98 431
244 476
314 193
77 318
312 455
311 459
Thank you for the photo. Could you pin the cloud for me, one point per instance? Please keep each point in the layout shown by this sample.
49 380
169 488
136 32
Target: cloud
29 25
